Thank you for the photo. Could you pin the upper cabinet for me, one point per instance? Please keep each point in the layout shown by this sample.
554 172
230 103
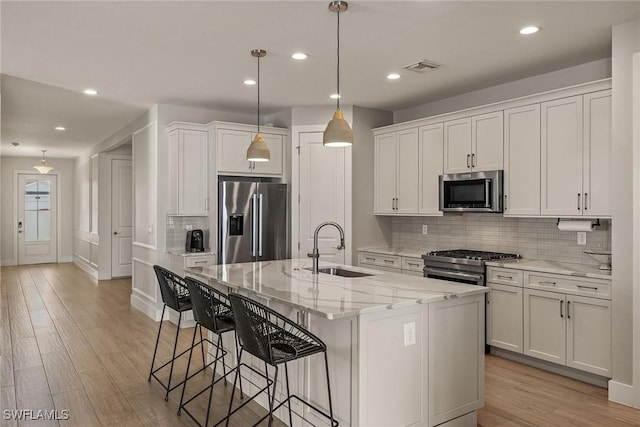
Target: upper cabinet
232 141
430 157
576 153
474 143
188 170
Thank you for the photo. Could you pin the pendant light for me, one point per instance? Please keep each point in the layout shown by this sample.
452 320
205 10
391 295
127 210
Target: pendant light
42 167
338 132
258 151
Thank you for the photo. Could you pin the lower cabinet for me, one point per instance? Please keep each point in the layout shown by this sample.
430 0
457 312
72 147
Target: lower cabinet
392 263
504 317
567 329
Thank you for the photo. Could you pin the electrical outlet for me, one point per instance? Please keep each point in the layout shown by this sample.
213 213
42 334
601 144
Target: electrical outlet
188 227
425 229
409 334
582 237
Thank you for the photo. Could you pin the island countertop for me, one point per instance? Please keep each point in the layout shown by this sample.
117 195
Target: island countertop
333 297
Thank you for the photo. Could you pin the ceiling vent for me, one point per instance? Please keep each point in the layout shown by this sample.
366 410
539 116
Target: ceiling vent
423 66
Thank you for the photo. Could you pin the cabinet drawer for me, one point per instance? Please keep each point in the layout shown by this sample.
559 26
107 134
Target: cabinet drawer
199 261
575 286
505 276
412 264
389 261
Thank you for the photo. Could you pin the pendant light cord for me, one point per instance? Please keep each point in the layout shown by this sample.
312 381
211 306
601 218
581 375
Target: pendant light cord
338 55
258 94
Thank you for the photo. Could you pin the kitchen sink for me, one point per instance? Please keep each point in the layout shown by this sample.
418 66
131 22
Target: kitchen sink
336 271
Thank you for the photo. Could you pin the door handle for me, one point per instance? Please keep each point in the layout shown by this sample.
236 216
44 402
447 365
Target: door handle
585 201
260 225
568 311
578 201
115 233
254 214
473 160
468 157
561 315
505 202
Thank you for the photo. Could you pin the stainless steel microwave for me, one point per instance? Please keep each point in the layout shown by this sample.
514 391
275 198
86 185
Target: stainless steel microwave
471 192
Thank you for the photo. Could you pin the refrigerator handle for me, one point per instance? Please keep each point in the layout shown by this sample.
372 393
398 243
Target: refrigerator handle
260 225
254 232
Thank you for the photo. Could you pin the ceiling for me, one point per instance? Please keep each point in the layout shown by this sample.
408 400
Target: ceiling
198 53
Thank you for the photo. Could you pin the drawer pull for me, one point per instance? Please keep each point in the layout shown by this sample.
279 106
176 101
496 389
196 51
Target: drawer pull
500 276
389 261
413 264
200 262
370 259
547 283
593 288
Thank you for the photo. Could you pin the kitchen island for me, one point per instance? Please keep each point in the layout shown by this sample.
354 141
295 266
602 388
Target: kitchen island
403 350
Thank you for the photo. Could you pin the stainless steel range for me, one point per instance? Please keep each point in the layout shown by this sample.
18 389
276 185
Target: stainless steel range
461 265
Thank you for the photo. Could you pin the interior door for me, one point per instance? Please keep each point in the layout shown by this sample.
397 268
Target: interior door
121 218
37 219
322 196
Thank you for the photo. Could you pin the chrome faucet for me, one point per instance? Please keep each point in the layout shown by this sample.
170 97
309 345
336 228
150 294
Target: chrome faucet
316 255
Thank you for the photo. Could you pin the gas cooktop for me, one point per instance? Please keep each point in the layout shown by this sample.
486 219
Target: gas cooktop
456 254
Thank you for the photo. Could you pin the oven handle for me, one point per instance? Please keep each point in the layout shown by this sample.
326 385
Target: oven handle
454 275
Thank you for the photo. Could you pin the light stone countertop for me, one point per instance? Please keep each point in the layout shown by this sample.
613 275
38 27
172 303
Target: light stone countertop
579 270
183 252
397 251
332 297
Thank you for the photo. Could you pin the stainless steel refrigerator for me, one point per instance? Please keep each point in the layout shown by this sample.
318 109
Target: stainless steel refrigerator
252 221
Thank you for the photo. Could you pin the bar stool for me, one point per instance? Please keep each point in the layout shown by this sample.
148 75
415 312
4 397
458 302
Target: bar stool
275 340
211 310
175 295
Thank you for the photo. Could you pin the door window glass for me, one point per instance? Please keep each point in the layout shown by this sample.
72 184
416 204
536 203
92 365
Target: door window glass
37 212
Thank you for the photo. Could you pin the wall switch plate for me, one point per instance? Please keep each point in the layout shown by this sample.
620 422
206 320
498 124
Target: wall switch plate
582 237
188 227
149 229
425 229
409 334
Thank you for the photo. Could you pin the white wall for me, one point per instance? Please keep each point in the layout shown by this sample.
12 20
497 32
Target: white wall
625 42
8 210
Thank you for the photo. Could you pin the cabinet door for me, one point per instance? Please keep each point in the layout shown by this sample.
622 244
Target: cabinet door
589 334
597 154
407 191
385 173
274 166
231 149
457 146
522 161
561 166
504 317
430 152
193 178
487 142
544 325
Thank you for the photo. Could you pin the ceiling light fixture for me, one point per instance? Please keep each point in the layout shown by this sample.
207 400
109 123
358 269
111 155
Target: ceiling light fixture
59 128
529 30
42 167
299 56
334 96
258 150
338 133
249 82
393 76
90 92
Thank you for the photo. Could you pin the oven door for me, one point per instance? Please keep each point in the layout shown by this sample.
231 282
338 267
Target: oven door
455 276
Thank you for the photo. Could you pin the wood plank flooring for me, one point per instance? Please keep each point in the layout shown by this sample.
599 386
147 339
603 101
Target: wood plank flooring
69 342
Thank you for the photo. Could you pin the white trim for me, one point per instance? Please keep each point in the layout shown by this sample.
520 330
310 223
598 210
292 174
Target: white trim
145 306
636 232
154 187
7 262
65 259
144 246
83 265
621 393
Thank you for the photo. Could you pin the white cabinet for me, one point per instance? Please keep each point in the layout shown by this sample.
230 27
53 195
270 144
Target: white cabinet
544 325
522 161
396 172
232 141
392 263
474 143
430 168
576 152
504 309
188 170
589 334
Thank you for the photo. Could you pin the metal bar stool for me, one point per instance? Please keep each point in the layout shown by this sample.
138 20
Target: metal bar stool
175 295
211 310
275 340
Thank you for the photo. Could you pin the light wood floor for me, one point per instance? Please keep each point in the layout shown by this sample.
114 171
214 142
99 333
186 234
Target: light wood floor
70 342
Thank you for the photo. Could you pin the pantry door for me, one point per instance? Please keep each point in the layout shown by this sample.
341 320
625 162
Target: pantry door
37 219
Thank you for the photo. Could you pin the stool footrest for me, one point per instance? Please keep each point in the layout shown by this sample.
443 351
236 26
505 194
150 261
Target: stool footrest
334 423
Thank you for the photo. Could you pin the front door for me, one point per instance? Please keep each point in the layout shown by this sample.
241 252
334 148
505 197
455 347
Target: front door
121 218
37 219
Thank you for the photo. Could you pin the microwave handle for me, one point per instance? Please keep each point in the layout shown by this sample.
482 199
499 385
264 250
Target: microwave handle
487 193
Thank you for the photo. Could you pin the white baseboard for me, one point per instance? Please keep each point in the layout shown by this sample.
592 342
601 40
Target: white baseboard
65 259
143 304
621 393
7 262
86 267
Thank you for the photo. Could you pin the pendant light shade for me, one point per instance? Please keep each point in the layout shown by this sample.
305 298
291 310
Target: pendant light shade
42 167
338 132
258 150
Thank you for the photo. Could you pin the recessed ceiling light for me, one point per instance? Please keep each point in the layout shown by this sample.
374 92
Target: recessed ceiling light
15 144
334 96
393 76
249 82
90 92
59 128
299 56
529 30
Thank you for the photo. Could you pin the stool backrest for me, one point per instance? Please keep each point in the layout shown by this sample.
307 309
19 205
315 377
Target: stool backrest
252 326
172 287
211 308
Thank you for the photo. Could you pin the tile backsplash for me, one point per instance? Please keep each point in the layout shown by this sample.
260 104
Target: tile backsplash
533 238
177 229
